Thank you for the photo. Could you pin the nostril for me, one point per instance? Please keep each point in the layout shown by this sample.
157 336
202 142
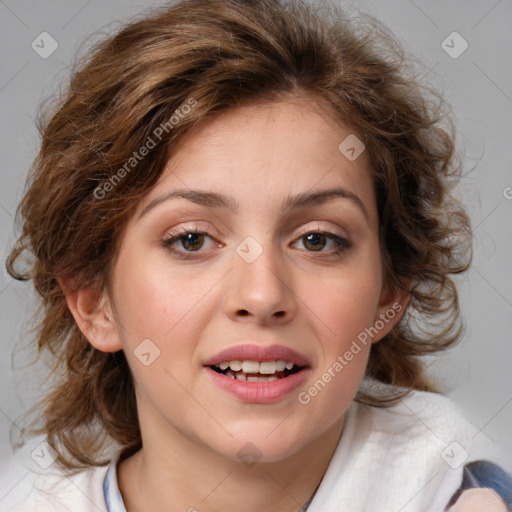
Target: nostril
244 312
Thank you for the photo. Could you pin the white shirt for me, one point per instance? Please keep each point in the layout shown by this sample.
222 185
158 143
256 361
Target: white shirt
406 458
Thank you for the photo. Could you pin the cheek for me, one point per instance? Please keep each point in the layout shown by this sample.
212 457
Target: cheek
346 305
143 308
151 302
169 309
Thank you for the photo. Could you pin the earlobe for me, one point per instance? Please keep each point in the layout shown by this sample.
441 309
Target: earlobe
92 312
392 306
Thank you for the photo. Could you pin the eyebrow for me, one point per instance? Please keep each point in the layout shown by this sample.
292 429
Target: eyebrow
291 203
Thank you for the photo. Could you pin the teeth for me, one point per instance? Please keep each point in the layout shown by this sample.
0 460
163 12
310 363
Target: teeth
265 367
250 366
236 366
252 378
280 365
247 370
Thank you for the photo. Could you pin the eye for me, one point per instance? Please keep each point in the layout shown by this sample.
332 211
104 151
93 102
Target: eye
191 241
315 241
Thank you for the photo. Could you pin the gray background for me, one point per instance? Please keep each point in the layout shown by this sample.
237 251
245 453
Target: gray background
478 84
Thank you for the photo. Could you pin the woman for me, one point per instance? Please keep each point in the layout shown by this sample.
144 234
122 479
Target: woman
239 213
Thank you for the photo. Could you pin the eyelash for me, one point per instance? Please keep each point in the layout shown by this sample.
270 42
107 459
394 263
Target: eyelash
342 244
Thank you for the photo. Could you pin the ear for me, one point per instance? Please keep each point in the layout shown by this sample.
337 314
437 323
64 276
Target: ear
92 311
392 305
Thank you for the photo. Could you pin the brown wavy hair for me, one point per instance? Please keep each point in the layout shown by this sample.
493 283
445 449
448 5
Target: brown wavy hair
223 54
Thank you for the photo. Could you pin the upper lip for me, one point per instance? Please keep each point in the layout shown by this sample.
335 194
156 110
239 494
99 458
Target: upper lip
254 352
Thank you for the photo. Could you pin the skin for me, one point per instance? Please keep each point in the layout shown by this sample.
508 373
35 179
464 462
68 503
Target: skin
313 301
477 500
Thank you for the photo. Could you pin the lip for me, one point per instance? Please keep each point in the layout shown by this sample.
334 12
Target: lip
258 392
254 352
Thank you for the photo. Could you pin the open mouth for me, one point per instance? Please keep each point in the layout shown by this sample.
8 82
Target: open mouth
256 371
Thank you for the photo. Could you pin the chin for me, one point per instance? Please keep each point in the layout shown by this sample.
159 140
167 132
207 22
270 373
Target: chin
261 444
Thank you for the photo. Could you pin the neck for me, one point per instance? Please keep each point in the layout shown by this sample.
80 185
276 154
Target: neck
190 477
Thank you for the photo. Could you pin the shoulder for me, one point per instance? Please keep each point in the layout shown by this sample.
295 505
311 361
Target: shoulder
434 423
410 456
56 491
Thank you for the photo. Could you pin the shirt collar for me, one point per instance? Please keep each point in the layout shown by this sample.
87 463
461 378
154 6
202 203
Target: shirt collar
111 491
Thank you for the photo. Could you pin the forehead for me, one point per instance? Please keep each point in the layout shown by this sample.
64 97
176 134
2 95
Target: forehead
279 129
264 152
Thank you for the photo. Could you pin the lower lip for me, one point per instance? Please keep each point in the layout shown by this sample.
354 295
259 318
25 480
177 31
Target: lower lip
264 392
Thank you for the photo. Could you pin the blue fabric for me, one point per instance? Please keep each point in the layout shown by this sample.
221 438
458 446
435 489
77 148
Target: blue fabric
111 491
487 475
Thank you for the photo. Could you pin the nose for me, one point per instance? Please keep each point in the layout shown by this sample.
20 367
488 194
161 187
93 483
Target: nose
260 291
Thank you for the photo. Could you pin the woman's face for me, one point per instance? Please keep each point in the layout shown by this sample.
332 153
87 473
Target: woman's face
278 274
